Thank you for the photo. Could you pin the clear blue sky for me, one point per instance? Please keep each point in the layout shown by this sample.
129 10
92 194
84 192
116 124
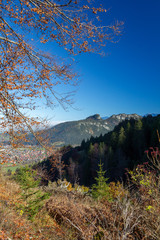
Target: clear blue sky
127 79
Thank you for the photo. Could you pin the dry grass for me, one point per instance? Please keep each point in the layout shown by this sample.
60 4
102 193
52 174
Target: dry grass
95 220
127 217
14 223
68 216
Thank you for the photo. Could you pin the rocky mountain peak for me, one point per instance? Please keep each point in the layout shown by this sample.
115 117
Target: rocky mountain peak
123 116
94 117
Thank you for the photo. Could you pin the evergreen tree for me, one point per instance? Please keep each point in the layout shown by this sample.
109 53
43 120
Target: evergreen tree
138 125
113 139
110 155
83 143
91 149
101 149
110 152
101 188
121 137
128 127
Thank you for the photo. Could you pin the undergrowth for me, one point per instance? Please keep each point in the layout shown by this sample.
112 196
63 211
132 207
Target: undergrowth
62 211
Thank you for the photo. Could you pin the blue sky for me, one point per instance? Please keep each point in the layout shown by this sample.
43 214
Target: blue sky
127 79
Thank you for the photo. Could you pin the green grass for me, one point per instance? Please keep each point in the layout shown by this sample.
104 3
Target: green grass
8 166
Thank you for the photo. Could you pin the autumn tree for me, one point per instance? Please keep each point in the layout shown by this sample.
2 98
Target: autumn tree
27 73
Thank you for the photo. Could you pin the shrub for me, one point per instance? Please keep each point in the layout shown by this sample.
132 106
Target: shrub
147 180
26 177
33 196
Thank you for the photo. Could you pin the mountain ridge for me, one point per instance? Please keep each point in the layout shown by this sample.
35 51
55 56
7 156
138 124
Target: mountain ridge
73 132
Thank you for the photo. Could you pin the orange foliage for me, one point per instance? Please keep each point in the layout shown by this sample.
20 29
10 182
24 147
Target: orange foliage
25 72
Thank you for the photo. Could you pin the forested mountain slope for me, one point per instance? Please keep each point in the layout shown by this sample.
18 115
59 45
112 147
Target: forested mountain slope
122 148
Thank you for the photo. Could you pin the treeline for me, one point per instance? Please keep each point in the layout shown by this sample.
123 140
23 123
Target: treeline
122 148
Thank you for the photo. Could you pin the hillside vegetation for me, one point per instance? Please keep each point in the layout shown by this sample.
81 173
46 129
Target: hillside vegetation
62 211
122 148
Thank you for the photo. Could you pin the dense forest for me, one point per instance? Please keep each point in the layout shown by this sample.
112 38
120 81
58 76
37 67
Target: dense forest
124 147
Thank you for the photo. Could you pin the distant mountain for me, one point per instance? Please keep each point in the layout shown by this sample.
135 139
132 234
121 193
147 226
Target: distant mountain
75 131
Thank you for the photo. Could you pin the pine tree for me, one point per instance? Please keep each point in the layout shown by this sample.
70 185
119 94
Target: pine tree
113 139
138 125
121 137
91 149
128 128
101 149
101 188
